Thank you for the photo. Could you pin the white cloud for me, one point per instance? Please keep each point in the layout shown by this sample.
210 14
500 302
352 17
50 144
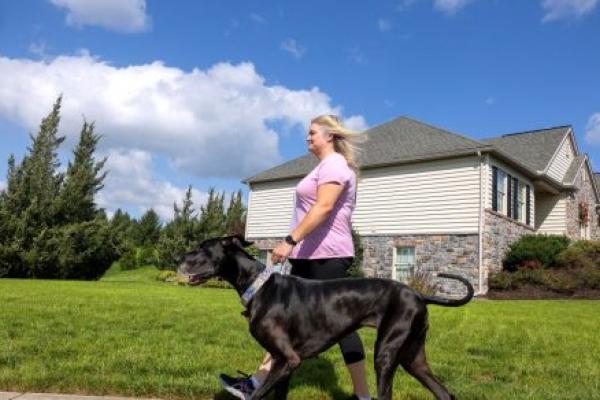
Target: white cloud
490 101
209 123
566 9
384 25
126 16
39 49
592 129
356 123
2 185
357 56
294 48
450 7
259 19
131 185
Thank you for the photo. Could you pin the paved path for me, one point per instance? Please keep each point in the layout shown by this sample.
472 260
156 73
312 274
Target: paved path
51 396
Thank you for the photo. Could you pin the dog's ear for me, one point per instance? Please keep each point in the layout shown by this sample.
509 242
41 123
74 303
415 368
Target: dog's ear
237 240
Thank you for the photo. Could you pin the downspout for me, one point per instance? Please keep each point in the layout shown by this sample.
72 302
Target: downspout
481 227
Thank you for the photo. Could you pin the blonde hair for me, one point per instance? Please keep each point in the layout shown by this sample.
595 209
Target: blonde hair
344 140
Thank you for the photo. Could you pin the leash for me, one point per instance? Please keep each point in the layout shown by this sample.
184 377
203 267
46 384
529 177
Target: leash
260 280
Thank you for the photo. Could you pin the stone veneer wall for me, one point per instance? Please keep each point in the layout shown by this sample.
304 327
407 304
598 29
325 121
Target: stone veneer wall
456 254
585 193
499 232
453 253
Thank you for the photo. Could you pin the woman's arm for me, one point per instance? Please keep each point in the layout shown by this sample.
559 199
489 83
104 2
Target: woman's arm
327 196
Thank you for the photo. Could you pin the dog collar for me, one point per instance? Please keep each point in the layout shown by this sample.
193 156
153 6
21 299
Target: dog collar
256 285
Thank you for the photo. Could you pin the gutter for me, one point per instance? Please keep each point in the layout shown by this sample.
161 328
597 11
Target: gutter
481 219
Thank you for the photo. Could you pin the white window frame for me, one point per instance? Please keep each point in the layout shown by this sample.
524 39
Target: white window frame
395 262
501 191
522 200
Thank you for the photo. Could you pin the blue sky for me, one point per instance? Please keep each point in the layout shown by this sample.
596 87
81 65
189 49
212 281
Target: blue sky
207 93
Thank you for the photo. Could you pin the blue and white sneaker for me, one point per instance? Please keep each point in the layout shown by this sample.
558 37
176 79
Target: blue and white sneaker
241 386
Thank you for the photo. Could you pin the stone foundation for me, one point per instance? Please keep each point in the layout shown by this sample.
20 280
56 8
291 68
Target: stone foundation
456 254
499 232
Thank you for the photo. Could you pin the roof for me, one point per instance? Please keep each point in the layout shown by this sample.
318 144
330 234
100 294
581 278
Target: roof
571 174
398 141
533 149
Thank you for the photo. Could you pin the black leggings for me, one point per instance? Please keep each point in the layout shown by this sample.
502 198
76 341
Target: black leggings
332 268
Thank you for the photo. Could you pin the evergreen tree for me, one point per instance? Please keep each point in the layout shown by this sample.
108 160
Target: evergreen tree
28 203
212 216
83 180
180 235
148 229
235 218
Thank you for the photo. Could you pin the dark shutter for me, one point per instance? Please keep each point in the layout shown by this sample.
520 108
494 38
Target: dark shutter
527 204
516 199
508 195
495 188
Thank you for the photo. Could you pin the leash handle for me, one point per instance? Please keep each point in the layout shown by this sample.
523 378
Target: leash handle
282 268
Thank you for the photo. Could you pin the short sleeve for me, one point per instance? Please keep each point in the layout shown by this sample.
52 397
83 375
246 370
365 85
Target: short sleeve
334 170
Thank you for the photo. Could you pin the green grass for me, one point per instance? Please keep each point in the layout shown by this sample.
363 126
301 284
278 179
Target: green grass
144 274
156 340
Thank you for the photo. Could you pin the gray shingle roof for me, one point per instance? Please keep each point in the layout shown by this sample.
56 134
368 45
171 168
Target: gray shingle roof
573 169
533 149
397 141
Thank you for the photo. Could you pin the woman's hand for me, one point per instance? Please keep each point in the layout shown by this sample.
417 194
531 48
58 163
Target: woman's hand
281 252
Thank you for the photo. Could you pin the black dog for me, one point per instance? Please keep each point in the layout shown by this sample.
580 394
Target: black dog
295 319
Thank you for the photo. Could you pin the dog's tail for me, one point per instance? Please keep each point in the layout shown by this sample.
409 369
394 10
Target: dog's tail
440 301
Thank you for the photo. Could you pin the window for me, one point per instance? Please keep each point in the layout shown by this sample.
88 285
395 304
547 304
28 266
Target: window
264 256
501 192
404 264
521 201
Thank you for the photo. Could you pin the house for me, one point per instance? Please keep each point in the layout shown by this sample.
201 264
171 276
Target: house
432 200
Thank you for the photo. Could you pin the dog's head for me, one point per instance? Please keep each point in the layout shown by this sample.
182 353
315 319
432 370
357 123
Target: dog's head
210 258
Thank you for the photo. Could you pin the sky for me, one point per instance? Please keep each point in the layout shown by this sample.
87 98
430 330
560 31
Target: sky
209 93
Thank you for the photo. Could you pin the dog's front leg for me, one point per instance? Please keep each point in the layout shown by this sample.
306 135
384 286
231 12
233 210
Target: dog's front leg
281 369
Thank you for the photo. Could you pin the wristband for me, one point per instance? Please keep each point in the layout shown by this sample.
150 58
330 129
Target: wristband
290 240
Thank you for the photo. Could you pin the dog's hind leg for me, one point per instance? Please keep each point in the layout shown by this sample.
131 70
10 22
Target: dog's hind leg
412 358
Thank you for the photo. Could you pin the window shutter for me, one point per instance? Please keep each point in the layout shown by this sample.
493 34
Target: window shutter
495 188
527 205
516 199
509 195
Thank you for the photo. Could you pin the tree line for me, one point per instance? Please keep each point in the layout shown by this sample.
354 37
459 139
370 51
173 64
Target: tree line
52 228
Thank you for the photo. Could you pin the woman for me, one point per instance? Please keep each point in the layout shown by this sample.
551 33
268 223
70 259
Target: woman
320 243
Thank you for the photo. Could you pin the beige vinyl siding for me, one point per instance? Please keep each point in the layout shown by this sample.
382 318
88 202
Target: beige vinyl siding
560 164
270 209
429 197
510 171
551 214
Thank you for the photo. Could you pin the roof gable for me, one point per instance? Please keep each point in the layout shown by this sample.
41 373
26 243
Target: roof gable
534 149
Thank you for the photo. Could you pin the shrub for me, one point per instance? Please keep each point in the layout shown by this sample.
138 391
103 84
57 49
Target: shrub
421 281
560 281
503 281
530 249
128 259
355 269
147 255
589 278
165 275
580 254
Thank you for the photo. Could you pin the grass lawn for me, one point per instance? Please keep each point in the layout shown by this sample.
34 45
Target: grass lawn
136 337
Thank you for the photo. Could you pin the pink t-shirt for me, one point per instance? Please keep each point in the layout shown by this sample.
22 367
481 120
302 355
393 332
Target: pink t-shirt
333 238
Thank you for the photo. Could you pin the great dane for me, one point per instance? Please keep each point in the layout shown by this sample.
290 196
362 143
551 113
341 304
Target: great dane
295 319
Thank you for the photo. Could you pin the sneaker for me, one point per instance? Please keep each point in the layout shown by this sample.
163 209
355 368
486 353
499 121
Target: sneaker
241 386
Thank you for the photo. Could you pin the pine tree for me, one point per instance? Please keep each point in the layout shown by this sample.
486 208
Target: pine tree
29 201
180 235
212 216
83 180
235 218
148 229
